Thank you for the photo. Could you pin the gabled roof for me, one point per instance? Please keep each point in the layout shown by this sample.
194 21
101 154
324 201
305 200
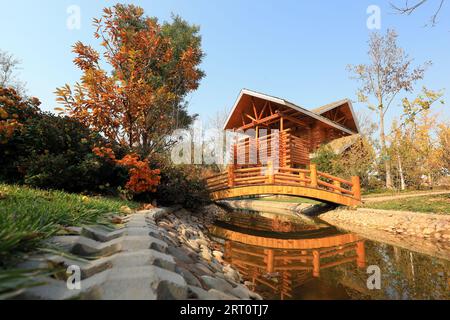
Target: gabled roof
338 104
291 105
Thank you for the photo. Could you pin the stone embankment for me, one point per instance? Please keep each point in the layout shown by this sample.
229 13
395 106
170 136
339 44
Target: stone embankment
427 233
153 254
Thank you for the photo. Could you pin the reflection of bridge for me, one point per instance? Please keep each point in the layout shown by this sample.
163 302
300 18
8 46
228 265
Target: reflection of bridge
282 265
308 183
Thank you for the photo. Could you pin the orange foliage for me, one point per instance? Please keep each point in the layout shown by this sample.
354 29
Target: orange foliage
147 83
103 152
141 177
14 110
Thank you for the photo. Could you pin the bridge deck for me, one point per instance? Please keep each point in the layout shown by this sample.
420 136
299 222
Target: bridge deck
308 183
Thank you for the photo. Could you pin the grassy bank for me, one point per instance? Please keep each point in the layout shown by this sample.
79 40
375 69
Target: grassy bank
28 216
439 204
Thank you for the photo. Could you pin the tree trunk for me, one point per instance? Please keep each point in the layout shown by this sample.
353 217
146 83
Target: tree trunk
387 162
400 170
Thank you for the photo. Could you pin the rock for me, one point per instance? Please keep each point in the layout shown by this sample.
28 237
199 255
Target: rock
197 293
202 242
427 231
206 254
241 292
214 294
193 244
233 275
218 284
188 277
203 269
179 255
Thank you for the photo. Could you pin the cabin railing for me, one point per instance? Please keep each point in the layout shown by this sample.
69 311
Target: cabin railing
284 176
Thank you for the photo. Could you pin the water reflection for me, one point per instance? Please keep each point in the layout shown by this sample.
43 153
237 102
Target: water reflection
289 257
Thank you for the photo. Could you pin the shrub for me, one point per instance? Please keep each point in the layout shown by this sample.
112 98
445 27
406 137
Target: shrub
52 152
180 185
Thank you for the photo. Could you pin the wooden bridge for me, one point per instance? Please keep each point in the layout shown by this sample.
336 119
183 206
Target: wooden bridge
273 130
307 183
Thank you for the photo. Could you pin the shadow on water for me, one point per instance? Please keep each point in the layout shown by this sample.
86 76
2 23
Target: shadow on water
301 257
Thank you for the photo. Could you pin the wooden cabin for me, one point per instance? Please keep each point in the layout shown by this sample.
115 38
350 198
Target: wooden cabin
273 148
300 131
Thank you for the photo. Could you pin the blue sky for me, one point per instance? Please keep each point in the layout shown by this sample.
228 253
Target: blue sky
295 49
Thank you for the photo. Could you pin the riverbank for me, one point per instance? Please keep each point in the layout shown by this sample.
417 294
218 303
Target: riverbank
420 232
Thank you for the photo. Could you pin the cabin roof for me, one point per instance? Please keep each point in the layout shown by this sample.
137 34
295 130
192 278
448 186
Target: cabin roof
345 105
319 114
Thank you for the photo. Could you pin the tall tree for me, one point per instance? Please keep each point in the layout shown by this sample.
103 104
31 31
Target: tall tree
154 67
388 73
444 145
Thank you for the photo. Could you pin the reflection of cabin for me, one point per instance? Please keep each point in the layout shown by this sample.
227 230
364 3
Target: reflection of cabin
284 265
301 131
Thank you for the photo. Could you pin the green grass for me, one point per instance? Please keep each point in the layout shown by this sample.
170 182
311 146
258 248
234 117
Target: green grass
289 199
29 216
439 204
385 192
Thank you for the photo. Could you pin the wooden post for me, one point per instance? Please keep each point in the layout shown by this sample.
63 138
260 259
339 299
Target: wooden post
270 260
361 254
316 264
227 251
338 185
281 124
302 176
313 168
356 189
230 176
270 173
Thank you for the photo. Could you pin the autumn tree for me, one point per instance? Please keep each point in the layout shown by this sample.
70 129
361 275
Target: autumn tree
388 73
153 68
444 143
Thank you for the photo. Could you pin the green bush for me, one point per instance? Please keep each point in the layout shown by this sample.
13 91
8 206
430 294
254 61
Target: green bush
180 185
53 152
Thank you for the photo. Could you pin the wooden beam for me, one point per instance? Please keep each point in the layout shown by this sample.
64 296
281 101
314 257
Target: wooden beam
294 120
263 121
270 108
243 120
250 117
254 109
264 109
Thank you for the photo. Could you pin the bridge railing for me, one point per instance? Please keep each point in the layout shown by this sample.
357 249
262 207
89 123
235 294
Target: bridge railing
310 178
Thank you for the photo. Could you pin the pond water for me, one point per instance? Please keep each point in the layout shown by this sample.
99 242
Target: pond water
298 257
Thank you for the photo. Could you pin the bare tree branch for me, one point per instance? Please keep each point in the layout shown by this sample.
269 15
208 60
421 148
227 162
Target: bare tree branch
408 9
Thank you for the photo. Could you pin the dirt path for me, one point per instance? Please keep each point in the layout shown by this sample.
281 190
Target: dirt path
403 196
